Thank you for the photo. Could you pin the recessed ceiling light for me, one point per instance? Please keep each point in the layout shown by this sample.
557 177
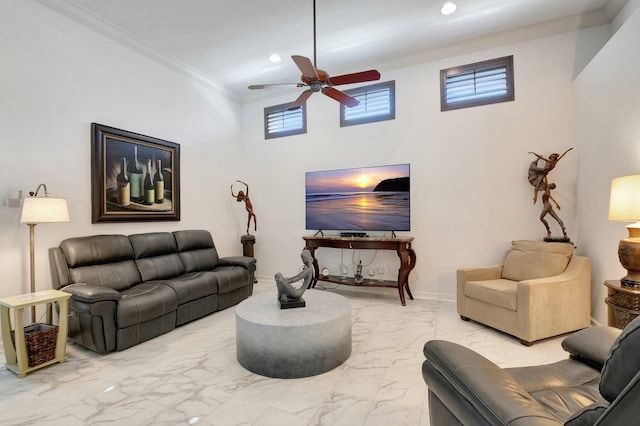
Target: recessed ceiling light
448 8
275 58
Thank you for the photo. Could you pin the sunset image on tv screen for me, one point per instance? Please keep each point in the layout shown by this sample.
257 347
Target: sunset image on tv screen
368 198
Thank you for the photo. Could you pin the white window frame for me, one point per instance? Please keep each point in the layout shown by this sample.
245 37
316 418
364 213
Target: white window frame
282 112
482 83
362 94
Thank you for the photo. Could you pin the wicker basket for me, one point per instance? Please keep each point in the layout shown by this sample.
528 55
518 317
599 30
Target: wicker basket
40 340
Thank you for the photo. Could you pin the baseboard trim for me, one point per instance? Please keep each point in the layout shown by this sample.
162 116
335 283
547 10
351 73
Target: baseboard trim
423 295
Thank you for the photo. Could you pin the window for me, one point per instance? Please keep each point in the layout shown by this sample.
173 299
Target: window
377 103
280 121
476 84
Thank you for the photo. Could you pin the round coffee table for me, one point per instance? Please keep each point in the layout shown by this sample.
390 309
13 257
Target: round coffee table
293 343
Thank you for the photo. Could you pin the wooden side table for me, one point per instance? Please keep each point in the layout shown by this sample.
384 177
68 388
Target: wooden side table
16 355
624 303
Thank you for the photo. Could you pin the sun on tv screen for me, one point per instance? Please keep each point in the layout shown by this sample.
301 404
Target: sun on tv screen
359 199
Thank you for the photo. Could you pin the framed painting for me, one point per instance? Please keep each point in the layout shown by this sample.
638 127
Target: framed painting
133 177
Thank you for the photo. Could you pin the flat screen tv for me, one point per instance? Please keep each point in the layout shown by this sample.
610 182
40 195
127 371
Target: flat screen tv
359 199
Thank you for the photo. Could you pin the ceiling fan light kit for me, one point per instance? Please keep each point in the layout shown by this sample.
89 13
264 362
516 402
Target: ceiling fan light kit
317 80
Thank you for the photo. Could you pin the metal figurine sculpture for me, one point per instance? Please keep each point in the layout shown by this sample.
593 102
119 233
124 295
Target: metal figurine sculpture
288 295
538 178
547 208
538 175
242 196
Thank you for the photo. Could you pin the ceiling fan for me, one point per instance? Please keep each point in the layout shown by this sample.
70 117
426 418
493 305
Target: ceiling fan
318 80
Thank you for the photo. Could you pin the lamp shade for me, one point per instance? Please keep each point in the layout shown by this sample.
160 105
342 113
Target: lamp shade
44 210
624 204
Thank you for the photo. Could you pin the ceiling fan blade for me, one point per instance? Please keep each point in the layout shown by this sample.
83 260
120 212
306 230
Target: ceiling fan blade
356 77
266 86
339 96
302 99
306 67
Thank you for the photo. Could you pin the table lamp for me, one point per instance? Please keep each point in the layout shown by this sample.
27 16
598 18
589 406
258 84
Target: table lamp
37 210
624 206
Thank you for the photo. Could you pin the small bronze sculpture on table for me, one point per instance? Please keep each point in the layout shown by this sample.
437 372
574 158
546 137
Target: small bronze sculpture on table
288 295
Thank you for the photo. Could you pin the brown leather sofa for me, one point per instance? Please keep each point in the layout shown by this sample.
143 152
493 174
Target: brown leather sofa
129 289
598 385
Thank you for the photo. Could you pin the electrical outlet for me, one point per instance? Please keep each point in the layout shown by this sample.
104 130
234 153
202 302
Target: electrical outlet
15 197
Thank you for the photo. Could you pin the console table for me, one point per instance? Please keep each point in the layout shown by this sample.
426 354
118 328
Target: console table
402 246
624 303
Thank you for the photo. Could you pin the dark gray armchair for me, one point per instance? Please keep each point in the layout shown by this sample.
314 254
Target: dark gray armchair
599 384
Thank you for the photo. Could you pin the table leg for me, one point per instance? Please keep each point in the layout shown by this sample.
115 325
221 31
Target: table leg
407 263
61 343
5 322
412 264
20 346
316 273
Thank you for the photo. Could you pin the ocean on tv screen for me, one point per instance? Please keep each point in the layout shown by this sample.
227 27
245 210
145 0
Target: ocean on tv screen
367 199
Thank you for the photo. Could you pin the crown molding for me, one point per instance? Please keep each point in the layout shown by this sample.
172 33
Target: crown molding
92 21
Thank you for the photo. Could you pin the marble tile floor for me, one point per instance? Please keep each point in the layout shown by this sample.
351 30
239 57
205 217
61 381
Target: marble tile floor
191 375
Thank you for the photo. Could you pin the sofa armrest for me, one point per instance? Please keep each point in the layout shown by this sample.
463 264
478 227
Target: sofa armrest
477 391
555 305
479 274
244 261
591 345
92 293
473 274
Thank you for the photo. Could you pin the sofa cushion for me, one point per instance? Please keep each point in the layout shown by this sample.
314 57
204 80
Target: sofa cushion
496 292
231 278
118 275
197 250
144 302
529 260
623 361
153 244
160 267
588 415
193 285
96 250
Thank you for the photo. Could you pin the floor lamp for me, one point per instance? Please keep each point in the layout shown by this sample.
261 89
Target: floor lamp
37 210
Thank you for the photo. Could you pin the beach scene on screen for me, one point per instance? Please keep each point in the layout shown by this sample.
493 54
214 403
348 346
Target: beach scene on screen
369 198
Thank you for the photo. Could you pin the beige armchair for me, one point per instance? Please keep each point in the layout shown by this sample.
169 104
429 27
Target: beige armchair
541 290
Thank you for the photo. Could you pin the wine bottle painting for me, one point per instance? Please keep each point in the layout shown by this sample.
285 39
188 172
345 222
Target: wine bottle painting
133 174
134 177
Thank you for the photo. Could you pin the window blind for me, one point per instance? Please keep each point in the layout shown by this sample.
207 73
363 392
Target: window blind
477 84
377 103
280 121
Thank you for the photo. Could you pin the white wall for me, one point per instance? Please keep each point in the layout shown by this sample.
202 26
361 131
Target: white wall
470 194
607 98
57 78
